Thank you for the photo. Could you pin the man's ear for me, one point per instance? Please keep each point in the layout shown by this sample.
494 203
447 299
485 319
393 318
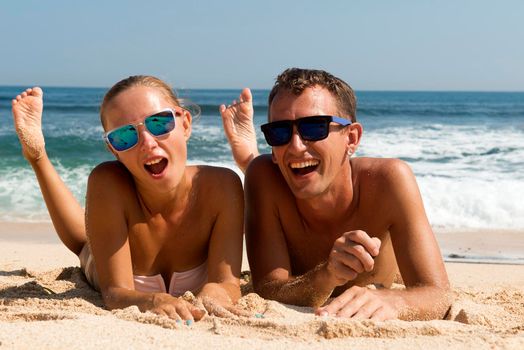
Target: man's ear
186 124
273 158
354 137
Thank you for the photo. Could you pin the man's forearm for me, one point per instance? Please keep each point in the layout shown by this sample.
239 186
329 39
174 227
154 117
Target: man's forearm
310 289
420 303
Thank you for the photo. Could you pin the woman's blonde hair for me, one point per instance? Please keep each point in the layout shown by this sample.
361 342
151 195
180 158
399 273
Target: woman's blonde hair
137 80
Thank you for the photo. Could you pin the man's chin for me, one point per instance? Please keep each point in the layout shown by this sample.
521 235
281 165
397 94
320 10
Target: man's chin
305 193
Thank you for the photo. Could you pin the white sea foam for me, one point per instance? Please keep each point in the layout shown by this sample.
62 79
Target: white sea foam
470 177
473 203
20 196
449 202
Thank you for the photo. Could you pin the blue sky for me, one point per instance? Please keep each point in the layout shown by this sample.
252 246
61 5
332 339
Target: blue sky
373 45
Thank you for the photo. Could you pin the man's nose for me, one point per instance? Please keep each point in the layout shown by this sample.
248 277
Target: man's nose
296 143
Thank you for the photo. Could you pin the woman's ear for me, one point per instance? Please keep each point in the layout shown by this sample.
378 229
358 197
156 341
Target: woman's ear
110 149
186 124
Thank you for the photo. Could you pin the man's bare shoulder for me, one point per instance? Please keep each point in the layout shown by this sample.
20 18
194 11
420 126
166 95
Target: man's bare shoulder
380 169
261 162
382 179
262 174
263 168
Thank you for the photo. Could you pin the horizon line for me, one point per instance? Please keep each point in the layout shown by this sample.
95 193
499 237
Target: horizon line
268 89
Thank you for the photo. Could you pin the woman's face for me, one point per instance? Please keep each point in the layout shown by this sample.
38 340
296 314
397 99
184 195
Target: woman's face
154 160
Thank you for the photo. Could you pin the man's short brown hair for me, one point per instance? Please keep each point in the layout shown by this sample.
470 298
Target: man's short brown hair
296 80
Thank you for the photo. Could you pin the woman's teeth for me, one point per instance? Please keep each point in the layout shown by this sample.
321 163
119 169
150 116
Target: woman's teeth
155 161
156 166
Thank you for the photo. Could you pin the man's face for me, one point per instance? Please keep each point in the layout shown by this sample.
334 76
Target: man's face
310 168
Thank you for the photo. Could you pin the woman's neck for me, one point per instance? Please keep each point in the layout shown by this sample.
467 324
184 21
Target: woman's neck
158 199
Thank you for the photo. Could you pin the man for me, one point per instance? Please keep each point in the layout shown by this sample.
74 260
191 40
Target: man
321 223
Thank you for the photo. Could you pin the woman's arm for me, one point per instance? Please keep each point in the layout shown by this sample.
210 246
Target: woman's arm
109 189
225 246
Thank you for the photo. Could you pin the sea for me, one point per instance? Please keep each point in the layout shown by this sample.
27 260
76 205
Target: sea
465 148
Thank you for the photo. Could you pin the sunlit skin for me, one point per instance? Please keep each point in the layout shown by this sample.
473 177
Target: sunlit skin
331 224
142 222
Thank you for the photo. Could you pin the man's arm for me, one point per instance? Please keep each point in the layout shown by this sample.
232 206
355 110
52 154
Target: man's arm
417 254
267 199
416 249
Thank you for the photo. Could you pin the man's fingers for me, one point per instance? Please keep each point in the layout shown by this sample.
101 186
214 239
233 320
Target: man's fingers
359 298
380 314
353 255
346 263
336 304
363 309
372 245
378 243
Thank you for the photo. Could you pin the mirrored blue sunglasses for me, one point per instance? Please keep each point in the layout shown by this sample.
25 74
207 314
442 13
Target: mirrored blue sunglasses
314 128
126 137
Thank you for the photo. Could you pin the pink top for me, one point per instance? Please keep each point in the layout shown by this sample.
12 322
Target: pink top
191 280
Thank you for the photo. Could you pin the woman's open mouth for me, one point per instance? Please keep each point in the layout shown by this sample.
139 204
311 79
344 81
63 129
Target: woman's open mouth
156 166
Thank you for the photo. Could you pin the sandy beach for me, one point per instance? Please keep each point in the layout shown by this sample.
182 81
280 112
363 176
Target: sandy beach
46 303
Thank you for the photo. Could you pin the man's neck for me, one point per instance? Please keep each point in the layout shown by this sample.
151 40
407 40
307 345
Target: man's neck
337 203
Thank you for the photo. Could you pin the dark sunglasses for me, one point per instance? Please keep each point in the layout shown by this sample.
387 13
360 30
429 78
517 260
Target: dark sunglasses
313 128
126 137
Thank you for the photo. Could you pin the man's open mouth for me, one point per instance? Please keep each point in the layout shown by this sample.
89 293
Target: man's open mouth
156 166
304 168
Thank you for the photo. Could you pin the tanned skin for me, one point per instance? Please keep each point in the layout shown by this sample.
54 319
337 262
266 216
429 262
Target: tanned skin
322 225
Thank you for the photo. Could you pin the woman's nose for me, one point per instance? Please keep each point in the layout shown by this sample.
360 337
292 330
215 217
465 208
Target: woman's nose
147 140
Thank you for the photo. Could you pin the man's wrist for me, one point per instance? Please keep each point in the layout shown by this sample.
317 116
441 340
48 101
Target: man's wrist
324 279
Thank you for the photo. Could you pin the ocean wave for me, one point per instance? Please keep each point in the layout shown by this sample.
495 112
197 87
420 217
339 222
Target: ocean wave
473 203
51 108
450 202
468 161
20 196
478 149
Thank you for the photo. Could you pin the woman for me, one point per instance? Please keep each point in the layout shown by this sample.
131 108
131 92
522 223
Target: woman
155 226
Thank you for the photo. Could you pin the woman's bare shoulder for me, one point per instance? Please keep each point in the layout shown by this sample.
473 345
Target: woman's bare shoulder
111 174
214 179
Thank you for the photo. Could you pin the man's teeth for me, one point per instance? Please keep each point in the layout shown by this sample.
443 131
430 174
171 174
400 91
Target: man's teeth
304 164
152 162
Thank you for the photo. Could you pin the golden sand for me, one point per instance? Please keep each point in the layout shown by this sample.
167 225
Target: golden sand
52 307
